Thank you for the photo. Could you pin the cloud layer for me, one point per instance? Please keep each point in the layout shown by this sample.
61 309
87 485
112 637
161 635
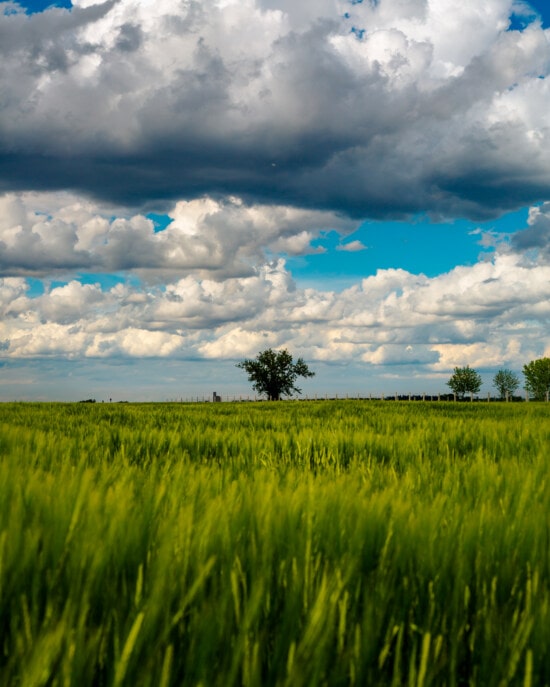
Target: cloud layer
43 234
491 314
369 109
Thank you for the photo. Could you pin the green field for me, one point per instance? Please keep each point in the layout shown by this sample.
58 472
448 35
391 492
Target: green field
315 543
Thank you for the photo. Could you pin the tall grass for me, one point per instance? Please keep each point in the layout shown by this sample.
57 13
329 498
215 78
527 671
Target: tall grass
330 543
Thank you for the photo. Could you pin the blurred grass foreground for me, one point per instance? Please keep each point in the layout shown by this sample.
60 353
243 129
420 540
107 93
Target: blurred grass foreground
288 544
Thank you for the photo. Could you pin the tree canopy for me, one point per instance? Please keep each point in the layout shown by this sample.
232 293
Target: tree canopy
506 382
464 380
274 373
537 378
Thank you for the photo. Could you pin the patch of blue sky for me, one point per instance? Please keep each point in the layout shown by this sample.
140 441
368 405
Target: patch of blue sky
56 284
419 247
106 282
35 6
35 287
527 12
359 33
543 9
159 220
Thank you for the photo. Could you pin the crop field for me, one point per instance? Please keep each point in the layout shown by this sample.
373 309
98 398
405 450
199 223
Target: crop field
290 544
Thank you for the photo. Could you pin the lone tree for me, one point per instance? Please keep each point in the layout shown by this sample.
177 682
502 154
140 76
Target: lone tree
464 380
537 378
506 382
273 373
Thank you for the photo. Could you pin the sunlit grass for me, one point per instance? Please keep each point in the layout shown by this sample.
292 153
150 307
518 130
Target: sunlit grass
327 543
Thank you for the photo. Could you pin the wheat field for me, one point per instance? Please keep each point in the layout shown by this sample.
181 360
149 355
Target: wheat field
288 544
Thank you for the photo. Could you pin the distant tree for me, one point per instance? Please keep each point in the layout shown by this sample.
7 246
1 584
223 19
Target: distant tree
537 378
274 373
464 380
506 382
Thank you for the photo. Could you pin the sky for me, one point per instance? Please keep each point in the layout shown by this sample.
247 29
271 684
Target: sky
184 184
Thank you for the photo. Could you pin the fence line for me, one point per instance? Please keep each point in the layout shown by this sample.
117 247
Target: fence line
247 398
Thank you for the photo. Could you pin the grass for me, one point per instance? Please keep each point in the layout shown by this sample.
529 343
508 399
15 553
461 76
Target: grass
329 543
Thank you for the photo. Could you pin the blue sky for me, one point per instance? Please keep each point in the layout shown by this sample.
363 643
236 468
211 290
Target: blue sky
40 6
418 246
370 191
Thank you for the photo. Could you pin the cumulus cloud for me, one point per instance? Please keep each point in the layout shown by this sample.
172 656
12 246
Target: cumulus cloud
352 247
44 233
488 315
370 109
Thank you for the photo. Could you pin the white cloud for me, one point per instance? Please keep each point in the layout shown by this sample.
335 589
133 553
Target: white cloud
487 315
133 342
352 247
44 233
476 355
74 301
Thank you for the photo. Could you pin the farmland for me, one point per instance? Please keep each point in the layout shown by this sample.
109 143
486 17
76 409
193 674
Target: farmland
319 543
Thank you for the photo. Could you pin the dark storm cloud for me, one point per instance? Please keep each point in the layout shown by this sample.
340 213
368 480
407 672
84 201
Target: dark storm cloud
175 100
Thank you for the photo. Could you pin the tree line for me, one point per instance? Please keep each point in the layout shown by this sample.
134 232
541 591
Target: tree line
466 380
274 373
